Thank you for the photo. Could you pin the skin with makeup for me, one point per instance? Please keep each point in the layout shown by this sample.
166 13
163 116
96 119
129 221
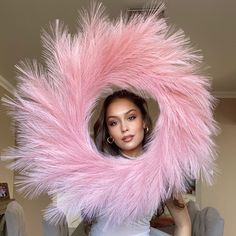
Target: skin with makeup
125 123
126 126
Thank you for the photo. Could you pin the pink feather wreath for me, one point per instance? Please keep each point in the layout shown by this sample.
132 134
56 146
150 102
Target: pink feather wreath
53 107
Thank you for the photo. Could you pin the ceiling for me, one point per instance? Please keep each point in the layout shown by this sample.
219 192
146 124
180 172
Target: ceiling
211 26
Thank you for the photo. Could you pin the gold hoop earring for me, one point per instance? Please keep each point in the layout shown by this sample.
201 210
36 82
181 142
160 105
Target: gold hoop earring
110 140
146 130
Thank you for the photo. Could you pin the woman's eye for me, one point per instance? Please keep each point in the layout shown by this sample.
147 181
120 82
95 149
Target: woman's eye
132 117
112 123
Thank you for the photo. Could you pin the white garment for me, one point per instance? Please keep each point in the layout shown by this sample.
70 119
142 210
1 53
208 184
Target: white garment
138 228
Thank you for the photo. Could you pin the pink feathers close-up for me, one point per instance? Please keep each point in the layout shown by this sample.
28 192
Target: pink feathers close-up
53 106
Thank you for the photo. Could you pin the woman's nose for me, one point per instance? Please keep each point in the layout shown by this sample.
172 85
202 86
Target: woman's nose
124 127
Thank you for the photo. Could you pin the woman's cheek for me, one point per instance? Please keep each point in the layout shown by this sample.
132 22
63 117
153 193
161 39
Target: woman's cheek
113 132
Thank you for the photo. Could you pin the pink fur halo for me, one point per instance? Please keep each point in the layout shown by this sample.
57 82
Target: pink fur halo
53 106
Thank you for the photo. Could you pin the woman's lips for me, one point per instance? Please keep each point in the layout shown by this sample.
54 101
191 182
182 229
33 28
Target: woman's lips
127 138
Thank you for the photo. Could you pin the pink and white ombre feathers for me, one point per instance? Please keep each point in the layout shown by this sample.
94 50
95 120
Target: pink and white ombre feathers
53 106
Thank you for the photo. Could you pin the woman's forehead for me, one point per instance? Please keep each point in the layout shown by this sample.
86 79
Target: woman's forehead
121 106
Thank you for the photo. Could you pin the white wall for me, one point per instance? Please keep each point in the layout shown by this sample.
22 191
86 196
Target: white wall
33 209
222 194
6 139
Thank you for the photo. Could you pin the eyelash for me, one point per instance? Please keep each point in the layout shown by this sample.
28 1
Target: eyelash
133 117
113 123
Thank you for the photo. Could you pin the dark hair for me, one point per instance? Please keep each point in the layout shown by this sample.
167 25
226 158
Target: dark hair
100 127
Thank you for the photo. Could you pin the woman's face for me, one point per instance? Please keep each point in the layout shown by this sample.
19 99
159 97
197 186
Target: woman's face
126 126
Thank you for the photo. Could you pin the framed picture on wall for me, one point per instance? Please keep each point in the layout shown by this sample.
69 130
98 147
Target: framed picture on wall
4 192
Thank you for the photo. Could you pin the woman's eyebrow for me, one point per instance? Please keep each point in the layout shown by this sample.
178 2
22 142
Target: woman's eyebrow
124 113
